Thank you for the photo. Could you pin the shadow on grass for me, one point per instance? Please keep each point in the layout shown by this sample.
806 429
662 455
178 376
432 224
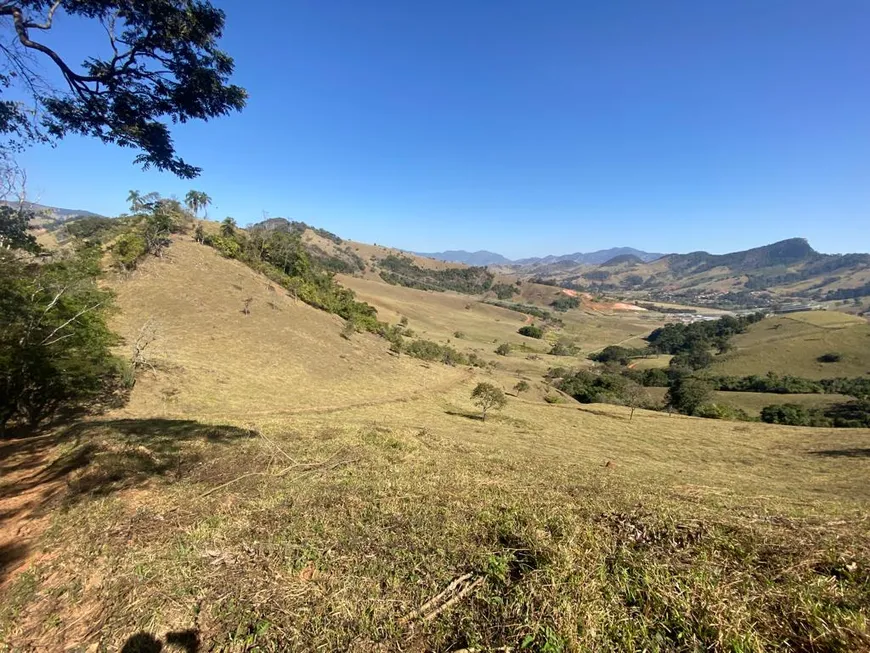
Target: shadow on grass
857 452
457 413
186 640
99 457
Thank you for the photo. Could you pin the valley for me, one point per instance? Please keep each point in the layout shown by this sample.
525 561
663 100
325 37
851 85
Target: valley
283 478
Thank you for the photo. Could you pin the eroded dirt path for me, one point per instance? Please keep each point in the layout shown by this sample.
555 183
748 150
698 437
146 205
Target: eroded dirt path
28 486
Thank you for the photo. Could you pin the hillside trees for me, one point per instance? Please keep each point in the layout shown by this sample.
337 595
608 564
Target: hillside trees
283 258
55 345
165 67
688 393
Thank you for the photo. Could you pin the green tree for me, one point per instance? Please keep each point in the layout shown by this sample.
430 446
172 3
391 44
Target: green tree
688 393
521 386
197 200
503 349
55 345
163 67
487 396
531 331
15 229
792 414
228 228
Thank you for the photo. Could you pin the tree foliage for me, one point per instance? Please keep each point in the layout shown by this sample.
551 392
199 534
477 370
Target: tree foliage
531 331
164 67
197 200
688 393
487 396
55 345
402 271
15 229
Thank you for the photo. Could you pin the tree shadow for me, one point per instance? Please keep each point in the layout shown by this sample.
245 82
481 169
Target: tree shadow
98 457
857 452
472 416
185 640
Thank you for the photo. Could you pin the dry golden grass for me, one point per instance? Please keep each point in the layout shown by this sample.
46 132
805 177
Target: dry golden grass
282 357
791 344
304 492
579 529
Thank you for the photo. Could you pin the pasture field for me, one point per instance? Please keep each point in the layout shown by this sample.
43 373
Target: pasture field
792 344
753 402
273 486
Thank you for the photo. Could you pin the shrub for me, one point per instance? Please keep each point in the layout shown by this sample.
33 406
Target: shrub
504 290
458 335
564 304
521 386
487 396
552 399
404 321
127 250
503 349
791 414
616 354
432 351
563 347
532 331
226 245
830 357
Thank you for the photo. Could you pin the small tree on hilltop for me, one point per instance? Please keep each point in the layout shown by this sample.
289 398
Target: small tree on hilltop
503 349
487 396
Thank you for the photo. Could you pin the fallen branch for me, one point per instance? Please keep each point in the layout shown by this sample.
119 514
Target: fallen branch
308 468
459 588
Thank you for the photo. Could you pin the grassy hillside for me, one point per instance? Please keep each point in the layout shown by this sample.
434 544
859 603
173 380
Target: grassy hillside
284 356
273 486
792 344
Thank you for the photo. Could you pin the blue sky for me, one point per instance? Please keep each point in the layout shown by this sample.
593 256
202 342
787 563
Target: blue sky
526 128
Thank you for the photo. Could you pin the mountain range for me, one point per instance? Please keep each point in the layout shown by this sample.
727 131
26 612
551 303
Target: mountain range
484 257
55 212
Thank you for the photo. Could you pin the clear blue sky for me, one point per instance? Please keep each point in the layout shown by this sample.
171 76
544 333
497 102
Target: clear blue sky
526 128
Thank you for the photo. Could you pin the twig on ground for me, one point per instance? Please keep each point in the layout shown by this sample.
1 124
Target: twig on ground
459 588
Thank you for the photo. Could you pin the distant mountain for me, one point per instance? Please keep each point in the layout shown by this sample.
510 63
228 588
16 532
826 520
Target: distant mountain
788 268
592 258
480 258
622 259
56 212
484 257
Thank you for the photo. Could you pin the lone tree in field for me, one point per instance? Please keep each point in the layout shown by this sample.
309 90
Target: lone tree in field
503 349
487 396
161 66
522 386
634 395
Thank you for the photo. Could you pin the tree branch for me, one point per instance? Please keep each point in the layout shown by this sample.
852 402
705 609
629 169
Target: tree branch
49 18
48 339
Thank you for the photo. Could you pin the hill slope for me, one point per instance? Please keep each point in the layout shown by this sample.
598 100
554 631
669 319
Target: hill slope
282 357
792 344
789 268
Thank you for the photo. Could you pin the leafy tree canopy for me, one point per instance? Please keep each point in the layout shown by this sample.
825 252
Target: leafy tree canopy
165 67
